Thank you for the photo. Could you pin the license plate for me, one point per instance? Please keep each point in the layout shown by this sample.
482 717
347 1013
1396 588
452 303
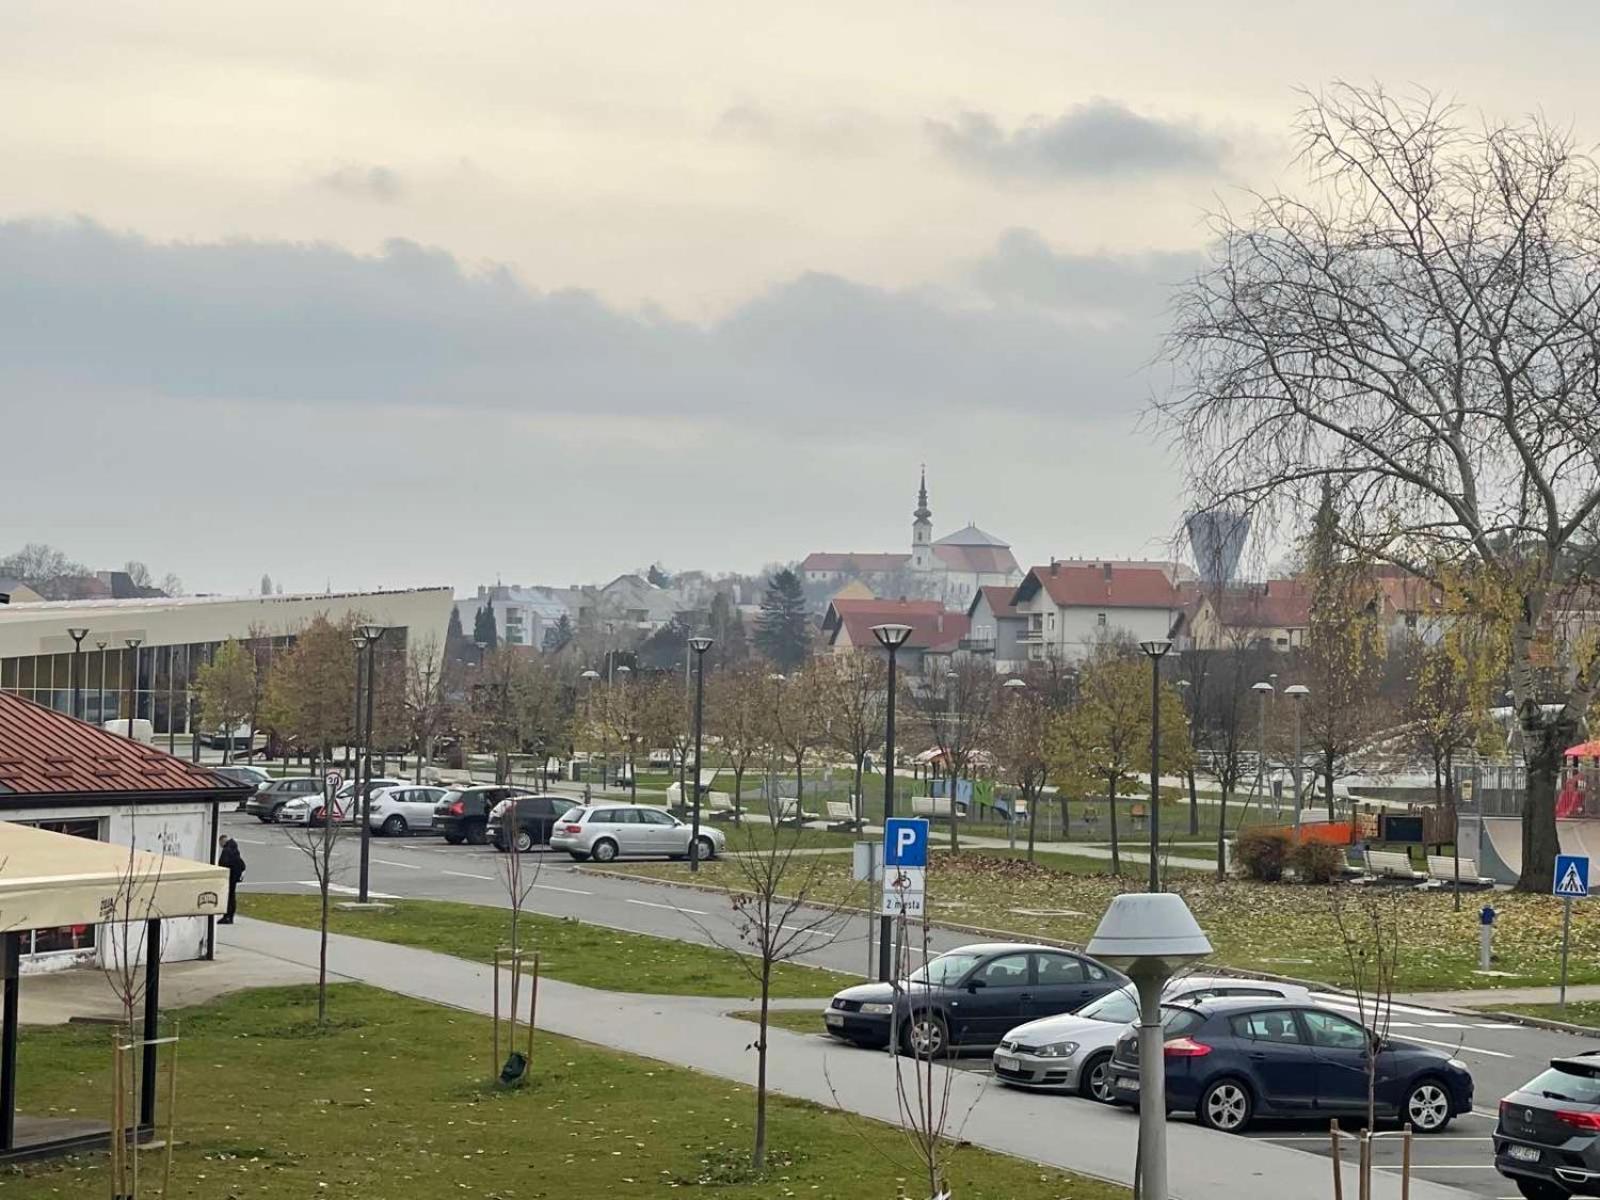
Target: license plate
833 1018
1006 1062
1128 1083
1522 1153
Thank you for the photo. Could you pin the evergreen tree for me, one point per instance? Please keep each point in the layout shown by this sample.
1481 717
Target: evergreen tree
783 631
266 584
455 638
558 636
483 629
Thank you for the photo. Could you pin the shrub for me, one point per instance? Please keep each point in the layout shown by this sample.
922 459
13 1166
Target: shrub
1261 854
1317 862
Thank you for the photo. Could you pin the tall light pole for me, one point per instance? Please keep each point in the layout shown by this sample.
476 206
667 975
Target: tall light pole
1297 692
133 645
1013 687
1264 691
77 636
1185 689
699 645
891 638
1156 649
633 771
100 701
373 634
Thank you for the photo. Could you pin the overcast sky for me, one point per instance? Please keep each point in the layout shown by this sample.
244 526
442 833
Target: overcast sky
380 295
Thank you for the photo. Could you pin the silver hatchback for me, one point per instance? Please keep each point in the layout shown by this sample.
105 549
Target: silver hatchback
606 832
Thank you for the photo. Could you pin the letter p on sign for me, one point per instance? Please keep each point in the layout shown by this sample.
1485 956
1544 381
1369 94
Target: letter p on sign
905 842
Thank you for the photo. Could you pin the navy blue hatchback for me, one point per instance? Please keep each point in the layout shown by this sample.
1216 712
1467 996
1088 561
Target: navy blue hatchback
1230 1061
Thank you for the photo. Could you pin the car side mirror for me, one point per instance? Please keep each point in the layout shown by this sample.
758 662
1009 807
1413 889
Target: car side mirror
975 984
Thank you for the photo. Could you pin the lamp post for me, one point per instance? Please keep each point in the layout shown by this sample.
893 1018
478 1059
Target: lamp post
77 636
699 645
891 638
1013 687
100 699
1263 690
633 771
373 634
133 645
1150 938
1297 692
1185 689
1156 650
588 678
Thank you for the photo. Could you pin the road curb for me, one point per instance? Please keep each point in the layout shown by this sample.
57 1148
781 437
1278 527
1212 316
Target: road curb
1524 1019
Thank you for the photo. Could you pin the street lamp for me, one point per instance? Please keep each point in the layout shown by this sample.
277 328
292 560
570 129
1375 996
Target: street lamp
891 638
359 641
1013 687
633 771
133 645
100 701
1156 650
1150 938
77 636
1297 692
1263 690
699 645
373 634
1184 690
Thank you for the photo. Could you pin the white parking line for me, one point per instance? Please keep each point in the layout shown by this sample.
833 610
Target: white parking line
1436 1166
1459 1049
465 875
403 866
550 887
653 904
251 841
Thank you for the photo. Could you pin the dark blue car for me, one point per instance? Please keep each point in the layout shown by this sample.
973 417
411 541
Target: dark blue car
1230 1061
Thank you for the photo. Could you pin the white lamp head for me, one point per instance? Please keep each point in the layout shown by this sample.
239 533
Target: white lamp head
1149 933
1297 691
891 636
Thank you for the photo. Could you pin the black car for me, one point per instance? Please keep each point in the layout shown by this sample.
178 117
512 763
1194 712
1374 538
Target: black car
969 998
1231 1060
1547 1140
463 814
536 817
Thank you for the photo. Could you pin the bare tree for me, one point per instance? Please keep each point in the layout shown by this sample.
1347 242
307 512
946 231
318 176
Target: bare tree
1021 736
795 720
1222 720
855 693
1422 336
737 714
955 707
519 882
318 841
427 697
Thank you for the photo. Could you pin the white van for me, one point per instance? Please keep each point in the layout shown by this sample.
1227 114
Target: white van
143 731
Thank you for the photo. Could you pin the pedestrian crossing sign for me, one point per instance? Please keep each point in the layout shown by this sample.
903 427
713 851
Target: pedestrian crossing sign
1572 877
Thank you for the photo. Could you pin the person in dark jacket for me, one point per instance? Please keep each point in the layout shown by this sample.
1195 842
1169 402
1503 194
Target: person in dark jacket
234 861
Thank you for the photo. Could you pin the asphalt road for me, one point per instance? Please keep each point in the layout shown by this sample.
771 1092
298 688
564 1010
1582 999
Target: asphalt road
1500 1055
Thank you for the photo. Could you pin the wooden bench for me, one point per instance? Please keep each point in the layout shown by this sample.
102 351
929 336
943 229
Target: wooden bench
934 807
785 810
1392 864
718 806
842 816
1442 872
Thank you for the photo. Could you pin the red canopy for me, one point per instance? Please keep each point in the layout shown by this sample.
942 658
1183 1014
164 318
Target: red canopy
1586 750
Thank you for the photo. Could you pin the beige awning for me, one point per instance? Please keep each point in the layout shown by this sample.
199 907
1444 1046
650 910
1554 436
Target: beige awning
51 879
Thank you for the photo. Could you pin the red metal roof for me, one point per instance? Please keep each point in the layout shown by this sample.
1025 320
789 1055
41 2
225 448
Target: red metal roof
46 753
1102 585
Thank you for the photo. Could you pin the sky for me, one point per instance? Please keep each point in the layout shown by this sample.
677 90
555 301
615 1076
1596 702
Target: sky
380 295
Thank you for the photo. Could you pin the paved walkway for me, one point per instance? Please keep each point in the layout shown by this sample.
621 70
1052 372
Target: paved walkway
1500 997
693 1032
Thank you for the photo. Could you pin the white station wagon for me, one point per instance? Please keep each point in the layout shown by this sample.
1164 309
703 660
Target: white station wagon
604 832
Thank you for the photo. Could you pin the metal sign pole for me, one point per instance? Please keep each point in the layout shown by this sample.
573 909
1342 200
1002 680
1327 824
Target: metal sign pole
1566 941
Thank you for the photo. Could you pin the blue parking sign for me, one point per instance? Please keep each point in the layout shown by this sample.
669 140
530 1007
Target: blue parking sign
905 842
1571 877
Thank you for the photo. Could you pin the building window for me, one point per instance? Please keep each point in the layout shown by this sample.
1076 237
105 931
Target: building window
64 937
1100 620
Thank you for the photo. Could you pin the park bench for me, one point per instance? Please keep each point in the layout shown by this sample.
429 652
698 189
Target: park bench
842 816
718 806
933 807
1442 872
1140 814
786 810
1391 864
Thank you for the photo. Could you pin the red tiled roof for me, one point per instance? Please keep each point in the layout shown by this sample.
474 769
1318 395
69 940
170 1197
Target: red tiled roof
46 753
1102 585
881 611
1276 604
1002 601
826 561
988 560
932 627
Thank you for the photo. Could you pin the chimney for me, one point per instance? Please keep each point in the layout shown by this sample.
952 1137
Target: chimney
1055 567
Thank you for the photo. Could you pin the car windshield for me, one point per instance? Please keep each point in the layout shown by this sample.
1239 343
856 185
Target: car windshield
947 969
1575 1086
1119 1007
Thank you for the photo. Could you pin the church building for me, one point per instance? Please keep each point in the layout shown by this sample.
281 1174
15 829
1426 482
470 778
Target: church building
950 569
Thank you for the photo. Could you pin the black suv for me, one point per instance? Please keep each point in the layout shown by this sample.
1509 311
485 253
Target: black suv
1547 1140
536 817
463 814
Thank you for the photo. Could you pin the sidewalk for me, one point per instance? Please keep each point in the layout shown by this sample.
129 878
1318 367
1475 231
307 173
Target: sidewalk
1500 997
693 1032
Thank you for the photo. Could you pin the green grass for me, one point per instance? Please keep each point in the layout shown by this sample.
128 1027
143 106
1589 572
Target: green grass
1578 1012
391 1101
798 1020
573 952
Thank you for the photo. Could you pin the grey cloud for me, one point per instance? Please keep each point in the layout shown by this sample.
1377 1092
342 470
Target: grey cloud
1101 138
1023 269
274 322
367 183
832 132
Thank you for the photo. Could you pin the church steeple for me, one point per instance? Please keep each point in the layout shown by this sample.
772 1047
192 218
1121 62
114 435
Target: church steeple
922 528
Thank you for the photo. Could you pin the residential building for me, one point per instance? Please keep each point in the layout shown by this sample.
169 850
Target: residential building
1275 614
997 628
14 591
521 614
935 632
1071 608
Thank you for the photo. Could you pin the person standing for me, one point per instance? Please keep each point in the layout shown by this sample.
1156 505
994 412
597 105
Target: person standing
234 862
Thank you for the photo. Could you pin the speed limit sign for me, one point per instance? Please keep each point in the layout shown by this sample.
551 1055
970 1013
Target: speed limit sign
332 782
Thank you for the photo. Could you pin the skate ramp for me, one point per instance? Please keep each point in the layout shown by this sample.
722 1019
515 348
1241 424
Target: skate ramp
1500 844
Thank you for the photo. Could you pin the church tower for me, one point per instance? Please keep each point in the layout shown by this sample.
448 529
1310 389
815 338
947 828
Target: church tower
922 529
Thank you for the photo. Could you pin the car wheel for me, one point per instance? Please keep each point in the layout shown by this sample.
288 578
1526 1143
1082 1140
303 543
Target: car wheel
394 826
277 811
1427 1106
603 851
708 849
264 819
1094 1080
453 839
477 834
1224 1106
524 841
577 856
1538 1189
925 1036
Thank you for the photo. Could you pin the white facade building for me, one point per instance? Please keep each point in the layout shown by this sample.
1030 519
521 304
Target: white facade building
1070 608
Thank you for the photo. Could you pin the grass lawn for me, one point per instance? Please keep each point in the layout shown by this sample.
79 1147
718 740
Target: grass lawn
271 1109
571 951
1286 929
799 1020
1579 1012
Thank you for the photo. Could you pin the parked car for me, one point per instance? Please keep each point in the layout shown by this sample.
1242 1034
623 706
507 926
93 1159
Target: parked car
969 998
462 814
310 810
243 773
1072 1053
606 832
406 808
536 818
1232 1060
1547 1140
268 801
239 738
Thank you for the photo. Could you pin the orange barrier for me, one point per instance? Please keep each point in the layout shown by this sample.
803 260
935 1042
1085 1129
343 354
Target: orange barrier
1331 833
